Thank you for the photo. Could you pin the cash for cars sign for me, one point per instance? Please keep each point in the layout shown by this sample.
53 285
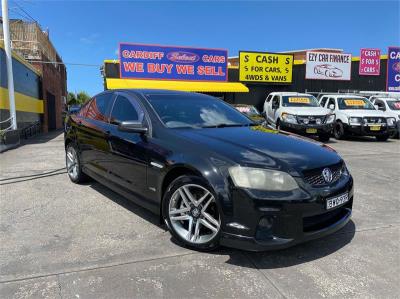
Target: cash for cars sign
139 61
370 62
328 66
393 70
265 67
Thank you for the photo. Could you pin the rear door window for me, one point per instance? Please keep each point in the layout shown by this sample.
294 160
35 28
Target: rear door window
99 106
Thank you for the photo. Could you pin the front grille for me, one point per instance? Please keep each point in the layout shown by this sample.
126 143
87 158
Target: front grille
374 120
314 177
321 221
311 119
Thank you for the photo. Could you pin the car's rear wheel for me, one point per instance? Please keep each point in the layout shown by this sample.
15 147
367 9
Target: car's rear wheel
338 130
74 167
191 212
384 137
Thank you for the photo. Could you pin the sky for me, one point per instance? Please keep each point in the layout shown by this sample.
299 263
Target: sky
87 32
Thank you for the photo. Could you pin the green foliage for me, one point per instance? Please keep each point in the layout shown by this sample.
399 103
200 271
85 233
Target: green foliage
77 98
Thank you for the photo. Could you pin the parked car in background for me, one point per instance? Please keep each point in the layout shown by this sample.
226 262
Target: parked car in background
300 113
213 178
250 111
356 115
391 107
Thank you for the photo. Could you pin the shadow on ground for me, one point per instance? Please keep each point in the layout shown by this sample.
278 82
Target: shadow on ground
298 254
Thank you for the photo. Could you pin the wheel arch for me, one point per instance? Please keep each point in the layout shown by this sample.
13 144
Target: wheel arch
171 175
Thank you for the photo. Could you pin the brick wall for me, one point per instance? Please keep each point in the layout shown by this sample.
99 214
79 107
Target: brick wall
53 81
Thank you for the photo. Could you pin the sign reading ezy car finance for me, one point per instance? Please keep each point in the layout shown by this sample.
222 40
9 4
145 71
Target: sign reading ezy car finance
139 61
393 70
265 67
370 62
328 66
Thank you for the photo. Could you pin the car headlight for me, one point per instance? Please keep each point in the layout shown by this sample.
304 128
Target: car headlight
391 121
289 118
330 118
355 120
262 179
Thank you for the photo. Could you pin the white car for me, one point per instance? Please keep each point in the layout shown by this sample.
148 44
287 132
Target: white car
298 112
391 107
356 115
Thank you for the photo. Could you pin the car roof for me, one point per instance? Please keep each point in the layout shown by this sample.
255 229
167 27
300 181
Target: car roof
146 92
386 98
342 95
290 93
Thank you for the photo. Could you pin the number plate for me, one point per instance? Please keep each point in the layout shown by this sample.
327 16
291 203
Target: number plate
311 130
375 128
337 201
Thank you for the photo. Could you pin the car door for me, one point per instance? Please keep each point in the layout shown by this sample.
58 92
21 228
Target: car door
92 134
128 153
272 109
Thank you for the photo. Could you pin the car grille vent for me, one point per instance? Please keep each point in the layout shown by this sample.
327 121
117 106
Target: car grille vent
374 120
315 178
312 120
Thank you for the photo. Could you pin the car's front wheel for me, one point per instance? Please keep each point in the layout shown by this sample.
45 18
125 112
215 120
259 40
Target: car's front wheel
338 130
384 137
73 164
191 212
324 137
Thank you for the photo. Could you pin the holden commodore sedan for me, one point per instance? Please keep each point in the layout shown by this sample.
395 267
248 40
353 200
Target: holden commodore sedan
214 177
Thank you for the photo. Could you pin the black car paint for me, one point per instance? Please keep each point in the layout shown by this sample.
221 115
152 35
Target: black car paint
137 165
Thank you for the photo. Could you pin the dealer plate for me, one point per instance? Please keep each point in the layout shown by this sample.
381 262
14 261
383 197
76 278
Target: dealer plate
311 130
337 201
375 128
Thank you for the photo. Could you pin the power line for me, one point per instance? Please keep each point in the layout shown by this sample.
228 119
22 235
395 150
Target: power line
65 63
24 11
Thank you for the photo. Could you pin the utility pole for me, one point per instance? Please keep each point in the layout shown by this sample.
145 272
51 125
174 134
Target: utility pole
10 78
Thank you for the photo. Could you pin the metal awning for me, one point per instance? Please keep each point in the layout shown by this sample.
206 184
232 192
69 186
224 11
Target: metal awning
200 86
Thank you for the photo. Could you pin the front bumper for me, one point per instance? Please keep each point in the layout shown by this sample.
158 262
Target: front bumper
299 217
365 130
305 129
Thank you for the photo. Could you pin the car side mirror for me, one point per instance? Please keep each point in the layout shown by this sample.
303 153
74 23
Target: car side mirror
331 106
132 127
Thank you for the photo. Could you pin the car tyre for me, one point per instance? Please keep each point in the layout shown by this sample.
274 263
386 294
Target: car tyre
384 137
192 214
324 137
73 164
338 130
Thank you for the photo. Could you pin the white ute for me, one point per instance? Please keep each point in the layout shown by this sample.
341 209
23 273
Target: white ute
298 112
356 115
391 107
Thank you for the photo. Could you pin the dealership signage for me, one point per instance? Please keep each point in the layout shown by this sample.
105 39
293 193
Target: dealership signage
393 69
265 67
328 66
139 61
370 62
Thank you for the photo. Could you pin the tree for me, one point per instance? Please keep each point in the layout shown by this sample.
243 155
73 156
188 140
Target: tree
79 98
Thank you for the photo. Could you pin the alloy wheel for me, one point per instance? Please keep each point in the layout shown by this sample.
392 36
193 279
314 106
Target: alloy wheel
72 163
193 214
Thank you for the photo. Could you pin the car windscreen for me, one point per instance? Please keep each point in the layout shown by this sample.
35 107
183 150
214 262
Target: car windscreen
195 111
355 103
299 101
394 105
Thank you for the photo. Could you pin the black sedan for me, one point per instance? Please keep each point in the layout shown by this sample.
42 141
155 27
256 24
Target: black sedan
211 174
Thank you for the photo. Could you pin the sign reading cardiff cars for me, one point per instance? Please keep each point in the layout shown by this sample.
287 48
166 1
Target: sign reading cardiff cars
328 66
393 70
370 62
265 67
139 61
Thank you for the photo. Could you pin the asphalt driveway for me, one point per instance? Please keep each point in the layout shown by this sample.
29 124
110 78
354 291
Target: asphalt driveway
60 240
